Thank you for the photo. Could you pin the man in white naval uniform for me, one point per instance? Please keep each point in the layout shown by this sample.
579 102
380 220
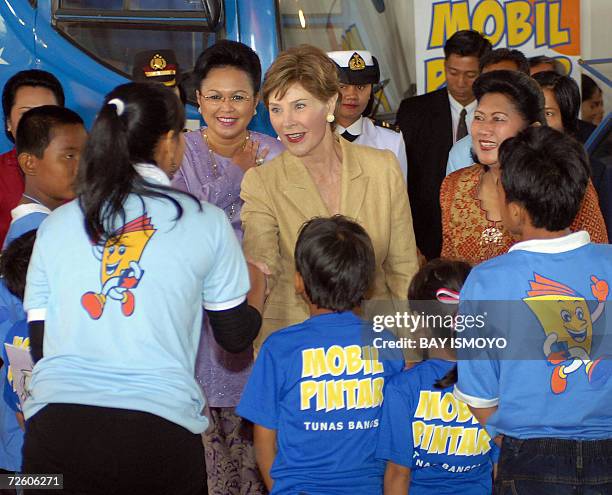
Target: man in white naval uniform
358 72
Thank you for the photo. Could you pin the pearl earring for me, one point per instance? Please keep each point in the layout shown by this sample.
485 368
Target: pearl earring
330 117
255 112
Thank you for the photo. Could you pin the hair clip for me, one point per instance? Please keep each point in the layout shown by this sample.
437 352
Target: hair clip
119 105
447 296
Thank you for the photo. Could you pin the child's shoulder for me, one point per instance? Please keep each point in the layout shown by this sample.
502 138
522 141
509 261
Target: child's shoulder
60 214
7 299
500 263
425 372
319 331
485 277
601 250
11 309
493 268
293 336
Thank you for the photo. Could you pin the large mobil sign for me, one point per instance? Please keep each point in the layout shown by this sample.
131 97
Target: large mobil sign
536 27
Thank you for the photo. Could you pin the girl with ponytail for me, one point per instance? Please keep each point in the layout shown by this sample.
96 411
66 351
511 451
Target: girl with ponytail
420 401
114 294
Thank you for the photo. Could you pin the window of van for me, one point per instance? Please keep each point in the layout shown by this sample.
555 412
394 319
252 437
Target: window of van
113 31
378 26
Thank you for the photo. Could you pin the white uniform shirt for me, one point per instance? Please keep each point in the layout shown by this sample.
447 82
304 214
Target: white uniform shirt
378 137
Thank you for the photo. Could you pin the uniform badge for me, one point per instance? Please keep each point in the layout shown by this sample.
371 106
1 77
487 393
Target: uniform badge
356 62
385 125
158 62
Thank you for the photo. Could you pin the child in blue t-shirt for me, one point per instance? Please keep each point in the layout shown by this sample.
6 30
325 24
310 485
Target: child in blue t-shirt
49 144
316 390
13 269
13 329
430 440
545 395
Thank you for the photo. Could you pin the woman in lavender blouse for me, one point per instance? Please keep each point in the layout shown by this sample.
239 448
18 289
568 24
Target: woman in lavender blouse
228 76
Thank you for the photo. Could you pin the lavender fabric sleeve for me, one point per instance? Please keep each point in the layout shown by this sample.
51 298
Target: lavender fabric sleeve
221 375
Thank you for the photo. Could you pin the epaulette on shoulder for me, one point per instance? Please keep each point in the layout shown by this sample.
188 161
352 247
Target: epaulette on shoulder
386 125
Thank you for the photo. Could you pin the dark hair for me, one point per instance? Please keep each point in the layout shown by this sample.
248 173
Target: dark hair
522 90
589 87
502 54
543 59
422 296
547 173
182 93
31 77
567 95
467 43
437 274
335 258
14 263
119 140
228 53
37 127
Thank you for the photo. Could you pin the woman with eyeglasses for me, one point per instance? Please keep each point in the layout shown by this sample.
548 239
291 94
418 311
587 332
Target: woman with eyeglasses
228 78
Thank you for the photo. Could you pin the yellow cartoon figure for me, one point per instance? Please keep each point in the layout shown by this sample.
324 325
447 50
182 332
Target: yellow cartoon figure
568 324
120 270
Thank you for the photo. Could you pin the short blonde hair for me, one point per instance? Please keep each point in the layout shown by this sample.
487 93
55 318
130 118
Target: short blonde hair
304 64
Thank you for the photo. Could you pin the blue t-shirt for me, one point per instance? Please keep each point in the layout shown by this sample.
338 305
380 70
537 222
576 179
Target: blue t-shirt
460 155
320 385
435 435
11 434
548 380
25 218
123 318
17 336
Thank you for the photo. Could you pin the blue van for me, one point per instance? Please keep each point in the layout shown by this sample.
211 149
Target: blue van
90 44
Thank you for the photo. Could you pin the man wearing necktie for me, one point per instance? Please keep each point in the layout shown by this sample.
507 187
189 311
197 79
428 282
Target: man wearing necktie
430 124
358 72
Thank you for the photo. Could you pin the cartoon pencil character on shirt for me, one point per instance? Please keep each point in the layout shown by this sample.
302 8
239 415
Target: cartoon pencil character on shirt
568 324
120 271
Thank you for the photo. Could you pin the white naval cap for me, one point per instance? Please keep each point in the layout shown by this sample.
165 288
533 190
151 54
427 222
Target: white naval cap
356 66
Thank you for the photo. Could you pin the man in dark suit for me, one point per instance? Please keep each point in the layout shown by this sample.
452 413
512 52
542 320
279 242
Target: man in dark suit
430 124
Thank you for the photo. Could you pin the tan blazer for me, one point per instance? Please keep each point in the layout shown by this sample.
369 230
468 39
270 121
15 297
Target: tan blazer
280 196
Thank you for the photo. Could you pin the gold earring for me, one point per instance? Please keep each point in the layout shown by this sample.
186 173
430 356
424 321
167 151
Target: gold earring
330 117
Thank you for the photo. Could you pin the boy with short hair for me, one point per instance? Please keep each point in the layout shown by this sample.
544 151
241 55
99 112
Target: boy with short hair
549 392
316 390
49 144
24 90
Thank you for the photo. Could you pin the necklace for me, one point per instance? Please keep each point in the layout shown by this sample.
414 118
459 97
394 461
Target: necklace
211 152
212 161
33 200
491 235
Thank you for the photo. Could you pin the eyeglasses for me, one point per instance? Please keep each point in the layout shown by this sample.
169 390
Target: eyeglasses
236 100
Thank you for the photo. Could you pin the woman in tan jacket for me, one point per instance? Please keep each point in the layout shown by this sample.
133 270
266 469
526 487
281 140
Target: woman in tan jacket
319 175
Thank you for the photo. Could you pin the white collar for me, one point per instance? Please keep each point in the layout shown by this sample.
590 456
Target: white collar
21 211
356 128
558 245
458 106
152 173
